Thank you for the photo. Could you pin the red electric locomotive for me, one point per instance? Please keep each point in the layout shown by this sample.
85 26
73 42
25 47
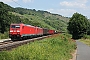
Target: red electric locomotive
19 31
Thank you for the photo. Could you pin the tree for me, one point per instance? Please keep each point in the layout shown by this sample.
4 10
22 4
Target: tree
6 18
3 15
88 28
78 25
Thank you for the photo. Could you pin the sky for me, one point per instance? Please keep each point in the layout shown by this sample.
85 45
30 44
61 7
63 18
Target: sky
62 7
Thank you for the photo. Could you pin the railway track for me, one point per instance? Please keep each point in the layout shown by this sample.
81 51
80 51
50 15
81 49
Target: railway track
9 45
6 42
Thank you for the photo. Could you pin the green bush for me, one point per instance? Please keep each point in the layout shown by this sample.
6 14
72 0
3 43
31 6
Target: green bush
86 37
4 36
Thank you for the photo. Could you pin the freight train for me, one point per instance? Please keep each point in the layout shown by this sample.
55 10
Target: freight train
24 31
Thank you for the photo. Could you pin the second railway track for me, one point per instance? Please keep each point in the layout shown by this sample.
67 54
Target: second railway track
8 45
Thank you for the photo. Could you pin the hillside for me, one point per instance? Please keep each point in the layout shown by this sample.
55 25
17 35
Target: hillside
42 18
39 18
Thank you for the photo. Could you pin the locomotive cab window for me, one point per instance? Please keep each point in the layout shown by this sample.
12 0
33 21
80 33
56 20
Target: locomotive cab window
15 26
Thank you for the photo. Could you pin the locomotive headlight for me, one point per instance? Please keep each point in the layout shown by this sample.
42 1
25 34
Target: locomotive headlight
18 30
11 30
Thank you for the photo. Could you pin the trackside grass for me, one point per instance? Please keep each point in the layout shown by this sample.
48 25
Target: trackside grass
57 47
86 41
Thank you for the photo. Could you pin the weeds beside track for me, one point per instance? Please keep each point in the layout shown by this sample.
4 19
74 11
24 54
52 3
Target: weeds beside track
57 47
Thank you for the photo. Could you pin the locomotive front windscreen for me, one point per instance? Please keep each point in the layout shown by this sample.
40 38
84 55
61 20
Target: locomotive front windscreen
15 26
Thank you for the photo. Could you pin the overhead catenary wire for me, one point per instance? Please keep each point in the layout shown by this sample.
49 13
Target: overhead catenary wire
17 3
20 5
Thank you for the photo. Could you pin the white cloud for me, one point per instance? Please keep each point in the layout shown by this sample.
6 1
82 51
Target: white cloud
70 7
26 1
82 1
7 1
75 4
64 12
